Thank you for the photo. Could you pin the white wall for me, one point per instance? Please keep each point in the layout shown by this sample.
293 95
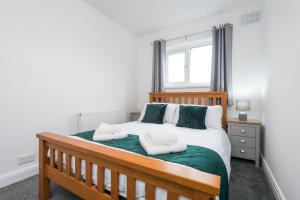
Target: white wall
57 58
247 57
281 97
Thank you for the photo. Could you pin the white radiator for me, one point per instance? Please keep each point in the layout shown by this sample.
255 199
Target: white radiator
91 121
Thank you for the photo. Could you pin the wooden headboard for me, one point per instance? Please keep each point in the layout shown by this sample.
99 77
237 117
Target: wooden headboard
199 98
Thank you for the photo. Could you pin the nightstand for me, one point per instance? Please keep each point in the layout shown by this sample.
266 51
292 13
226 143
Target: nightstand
134 116
245 137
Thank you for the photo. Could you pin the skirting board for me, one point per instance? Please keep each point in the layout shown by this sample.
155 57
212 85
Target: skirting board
271 179
18 175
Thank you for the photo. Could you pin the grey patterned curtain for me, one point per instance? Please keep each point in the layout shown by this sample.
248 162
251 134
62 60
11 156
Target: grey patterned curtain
159 62
221 74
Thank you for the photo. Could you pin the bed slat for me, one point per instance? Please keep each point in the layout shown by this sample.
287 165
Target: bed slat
130 188
150 192
100 179
199 100
207 101
68 163
52 157
185 99
78 169
88 174
114 185
172 100
167 99
192 100
172 196
59 161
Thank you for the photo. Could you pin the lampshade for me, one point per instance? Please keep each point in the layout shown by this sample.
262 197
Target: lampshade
243 105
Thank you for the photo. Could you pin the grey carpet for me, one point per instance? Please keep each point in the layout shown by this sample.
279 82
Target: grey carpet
246 183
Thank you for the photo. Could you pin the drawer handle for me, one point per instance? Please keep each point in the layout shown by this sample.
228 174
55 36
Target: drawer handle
242 141
243 131
243 151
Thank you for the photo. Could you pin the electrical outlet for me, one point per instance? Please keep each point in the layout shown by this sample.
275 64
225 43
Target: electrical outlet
25 158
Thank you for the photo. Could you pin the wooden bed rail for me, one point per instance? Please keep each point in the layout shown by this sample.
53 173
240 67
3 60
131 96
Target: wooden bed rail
176 179
199 98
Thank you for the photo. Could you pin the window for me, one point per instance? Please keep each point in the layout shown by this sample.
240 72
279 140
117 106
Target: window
176 70
189 65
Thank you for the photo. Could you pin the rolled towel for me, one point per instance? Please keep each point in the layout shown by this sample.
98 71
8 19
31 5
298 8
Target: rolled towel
107 129
165 149
161 138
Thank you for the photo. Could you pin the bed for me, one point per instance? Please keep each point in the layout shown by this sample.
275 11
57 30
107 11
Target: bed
97 171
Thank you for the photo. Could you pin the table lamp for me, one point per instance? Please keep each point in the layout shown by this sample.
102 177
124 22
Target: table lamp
243 106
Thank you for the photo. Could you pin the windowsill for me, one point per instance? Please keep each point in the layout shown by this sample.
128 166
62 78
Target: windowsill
187 86
201 88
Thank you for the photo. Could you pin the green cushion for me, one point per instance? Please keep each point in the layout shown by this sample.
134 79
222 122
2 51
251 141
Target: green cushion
155 113
192 117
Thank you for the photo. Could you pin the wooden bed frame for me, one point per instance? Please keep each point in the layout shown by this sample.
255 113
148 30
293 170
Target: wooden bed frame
200 98
176 179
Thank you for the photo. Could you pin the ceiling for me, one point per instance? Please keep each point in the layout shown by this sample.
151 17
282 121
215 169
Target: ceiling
147 16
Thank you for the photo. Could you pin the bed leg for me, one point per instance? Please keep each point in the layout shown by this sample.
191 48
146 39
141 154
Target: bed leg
44 182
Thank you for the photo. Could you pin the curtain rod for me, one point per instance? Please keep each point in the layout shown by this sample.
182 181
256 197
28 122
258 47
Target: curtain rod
188 35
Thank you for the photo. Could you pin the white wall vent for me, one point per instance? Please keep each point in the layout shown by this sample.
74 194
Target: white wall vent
250 18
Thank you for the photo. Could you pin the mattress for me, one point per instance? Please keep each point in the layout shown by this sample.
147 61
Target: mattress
214 139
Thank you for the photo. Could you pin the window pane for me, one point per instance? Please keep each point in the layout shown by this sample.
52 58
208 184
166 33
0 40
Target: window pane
200 66
176 64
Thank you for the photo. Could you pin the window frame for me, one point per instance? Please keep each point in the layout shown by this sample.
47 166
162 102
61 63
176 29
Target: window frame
171 84
187 50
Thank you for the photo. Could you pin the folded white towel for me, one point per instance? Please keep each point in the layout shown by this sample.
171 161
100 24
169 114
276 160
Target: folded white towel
108 132
103 137
161 138
155 150
107 129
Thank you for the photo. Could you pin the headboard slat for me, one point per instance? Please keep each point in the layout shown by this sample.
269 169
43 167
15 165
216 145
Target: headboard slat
210 98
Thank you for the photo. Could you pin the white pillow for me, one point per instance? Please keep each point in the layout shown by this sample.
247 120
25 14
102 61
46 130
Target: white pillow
169 114
213 118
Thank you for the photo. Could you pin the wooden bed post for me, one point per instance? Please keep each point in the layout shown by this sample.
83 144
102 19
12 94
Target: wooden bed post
44 182
150 98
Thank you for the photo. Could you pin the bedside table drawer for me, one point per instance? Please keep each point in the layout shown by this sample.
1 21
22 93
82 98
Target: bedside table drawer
239 130
243 141
243 152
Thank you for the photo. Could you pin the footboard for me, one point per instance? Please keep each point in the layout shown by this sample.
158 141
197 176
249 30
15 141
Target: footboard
175 179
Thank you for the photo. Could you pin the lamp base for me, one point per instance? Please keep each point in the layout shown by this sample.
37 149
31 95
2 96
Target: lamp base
243 116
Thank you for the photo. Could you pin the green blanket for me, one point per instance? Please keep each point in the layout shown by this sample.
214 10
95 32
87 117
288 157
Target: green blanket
199 158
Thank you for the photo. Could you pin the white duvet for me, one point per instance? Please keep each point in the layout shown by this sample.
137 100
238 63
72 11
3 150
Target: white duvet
215 139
